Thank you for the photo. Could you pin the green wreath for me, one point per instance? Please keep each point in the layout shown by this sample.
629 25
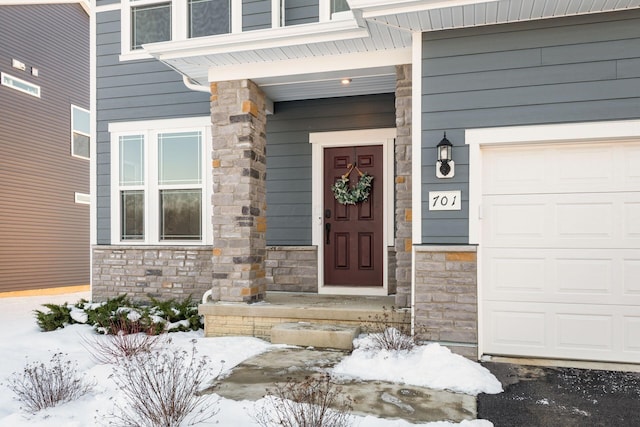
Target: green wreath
351 196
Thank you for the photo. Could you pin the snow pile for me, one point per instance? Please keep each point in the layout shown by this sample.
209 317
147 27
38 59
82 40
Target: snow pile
432 366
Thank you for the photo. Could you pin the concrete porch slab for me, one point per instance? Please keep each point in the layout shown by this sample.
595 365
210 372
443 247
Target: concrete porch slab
315 335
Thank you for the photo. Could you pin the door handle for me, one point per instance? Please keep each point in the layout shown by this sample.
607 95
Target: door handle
327 229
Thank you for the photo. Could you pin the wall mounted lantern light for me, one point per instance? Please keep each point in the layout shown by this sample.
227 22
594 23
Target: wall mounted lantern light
445 167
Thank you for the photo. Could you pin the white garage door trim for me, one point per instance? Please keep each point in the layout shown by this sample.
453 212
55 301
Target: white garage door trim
476 139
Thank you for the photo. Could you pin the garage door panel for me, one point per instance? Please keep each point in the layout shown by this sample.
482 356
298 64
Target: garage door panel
631 225
631 277
564 168
552 330
600 220
594 276
584 332
631 333
506 328
583 219
630 169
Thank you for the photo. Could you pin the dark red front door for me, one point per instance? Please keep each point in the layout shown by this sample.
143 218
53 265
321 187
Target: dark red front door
353 242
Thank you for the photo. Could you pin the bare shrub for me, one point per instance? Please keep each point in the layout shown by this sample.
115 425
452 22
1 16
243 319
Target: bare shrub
125 340
390 330
163 388
315 402
41 385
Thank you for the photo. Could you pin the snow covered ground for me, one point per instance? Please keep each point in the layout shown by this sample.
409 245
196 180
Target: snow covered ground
22 342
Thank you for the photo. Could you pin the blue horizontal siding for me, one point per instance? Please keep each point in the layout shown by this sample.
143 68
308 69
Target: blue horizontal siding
576 69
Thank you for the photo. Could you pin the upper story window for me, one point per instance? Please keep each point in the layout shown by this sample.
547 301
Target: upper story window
80 132
19 84
153 21
150 23
209 17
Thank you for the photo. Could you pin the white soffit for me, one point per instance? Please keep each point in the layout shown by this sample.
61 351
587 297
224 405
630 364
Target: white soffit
298 62
425 15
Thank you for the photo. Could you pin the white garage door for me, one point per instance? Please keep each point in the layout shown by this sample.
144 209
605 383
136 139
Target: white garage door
560 269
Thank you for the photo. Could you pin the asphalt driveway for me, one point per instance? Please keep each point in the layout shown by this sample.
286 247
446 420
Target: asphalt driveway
562 397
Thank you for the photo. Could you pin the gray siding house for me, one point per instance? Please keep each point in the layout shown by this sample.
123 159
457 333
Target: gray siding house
44 145
502 138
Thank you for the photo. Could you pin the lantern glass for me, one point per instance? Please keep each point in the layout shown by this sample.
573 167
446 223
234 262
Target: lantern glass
444 149
444 152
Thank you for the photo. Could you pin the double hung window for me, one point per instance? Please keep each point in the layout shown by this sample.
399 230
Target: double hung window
159 182
80 132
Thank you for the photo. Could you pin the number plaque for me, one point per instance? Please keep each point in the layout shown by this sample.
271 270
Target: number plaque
444 201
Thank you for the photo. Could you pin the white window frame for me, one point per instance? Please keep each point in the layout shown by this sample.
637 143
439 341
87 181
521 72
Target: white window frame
150 130
7 79
74 130
179 23
125 22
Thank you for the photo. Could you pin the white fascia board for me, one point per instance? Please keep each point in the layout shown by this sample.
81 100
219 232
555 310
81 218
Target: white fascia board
83 3
377 8
269 38
292 67
143 125
562 132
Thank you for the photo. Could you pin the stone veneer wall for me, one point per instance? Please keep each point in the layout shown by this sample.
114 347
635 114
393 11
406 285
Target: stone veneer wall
295 269
403 213
239 223
158 271
292 268
446 300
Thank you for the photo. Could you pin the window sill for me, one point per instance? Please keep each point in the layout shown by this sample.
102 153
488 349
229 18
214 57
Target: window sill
134 56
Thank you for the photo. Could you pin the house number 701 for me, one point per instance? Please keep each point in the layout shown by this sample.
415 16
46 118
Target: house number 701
444 201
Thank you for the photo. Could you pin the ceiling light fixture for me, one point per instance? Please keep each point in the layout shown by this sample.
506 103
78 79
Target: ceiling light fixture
345 81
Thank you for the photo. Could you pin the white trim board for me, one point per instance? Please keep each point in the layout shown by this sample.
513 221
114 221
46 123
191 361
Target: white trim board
321 140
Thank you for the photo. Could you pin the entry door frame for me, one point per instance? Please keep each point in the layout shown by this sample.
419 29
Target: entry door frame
321 140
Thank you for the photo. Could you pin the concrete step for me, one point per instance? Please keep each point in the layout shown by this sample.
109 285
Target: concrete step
316 335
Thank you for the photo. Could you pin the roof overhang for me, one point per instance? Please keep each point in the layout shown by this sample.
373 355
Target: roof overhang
84 3
435 15
308 61
296 62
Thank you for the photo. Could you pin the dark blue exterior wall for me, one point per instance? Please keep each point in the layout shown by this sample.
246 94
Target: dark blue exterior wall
576 69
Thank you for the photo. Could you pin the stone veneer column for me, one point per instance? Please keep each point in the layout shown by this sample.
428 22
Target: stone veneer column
239 191
403 214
